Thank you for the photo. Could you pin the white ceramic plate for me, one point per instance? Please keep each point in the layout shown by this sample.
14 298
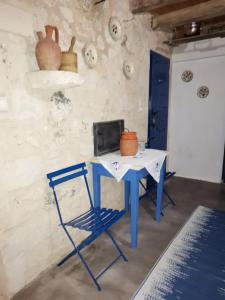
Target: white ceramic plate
115 28
90 55
128 69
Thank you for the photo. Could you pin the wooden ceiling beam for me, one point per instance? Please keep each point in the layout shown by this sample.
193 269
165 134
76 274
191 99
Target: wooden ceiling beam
184 40
199 12
166 7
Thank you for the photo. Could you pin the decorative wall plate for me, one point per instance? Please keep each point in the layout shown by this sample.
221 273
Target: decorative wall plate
86 4
115 28
128 69
187 76
203 92
90 55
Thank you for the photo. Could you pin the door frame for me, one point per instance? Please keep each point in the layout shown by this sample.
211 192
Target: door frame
223 171
150 180
152 52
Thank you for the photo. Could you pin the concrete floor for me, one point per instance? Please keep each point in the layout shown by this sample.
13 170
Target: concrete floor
121 281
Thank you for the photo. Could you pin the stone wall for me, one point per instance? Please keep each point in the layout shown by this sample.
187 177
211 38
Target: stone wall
43 130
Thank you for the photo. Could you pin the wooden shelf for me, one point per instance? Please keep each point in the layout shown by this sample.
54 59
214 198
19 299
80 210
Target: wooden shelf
54 79
195 38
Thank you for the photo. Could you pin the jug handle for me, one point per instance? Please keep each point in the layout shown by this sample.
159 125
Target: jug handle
73 40
56 35
40 35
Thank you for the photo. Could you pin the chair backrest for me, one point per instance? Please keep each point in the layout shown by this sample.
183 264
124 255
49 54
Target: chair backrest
66 174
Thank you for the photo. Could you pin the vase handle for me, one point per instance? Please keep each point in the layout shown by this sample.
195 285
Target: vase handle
56 35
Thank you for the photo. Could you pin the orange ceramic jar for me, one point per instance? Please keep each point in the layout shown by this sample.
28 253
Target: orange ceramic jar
128 143
48 52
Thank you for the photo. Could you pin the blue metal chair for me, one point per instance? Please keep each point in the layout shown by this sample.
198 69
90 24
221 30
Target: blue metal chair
95 220
150 189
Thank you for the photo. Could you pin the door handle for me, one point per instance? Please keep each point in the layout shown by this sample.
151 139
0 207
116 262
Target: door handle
154 118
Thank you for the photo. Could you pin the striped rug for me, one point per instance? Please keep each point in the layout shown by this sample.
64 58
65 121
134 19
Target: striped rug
193 266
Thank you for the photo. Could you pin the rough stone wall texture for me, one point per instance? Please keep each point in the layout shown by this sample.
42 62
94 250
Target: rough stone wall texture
39 133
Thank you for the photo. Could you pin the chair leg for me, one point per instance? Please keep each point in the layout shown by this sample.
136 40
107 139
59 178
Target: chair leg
144 187
89 271
102 272
77 251
169 197
153 201
116 245
146 193
74 252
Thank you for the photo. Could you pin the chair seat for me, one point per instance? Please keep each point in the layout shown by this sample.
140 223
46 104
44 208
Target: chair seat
96 220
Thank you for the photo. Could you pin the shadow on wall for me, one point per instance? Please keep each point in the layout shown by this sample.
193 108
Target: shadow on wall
3 282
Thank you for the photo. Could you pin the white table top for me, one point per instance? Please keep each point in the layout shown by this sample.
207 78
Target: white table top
118 165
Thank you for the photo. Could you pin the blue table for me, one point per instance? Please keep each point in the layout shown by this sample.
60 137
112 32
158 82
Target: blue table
131 181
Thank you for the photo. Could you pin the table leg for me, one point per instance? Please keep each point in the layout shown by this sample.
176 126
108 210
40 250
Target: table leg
134 199
160 193
96 186
127 195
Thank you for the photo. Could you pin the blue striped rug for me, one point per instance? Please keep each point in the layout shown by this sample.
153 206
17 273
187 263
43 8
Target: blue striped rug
193 266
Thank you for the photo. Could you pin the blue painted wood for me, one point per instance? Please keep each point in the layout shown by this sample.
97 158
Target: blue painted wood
96 186
89 218
98 220
134 210
158 104
223 172
160 193
158 101
127 195
103 271
66 170
150 190
82 216
67 178
132 177
95 220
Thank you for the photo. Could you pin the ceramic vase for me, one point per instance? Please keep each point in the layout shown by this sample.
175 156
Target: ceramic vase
48 52
128 144
69 58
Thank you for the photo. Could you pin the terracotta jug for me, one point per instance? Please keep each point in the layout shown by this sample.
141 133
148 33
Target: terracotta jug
69 58
128 143
48 52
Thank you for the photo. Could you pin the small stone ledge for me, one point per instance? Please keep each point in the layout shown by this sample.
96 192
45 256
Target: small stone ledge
54 79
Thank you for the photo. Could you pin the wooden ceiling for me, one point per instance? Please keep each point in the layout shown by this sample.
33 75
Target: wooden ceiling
163 7
172 14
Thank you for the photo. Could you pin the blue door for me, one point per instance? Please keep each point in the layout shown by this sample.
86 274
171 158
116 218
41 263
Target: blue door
158 101
223 174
